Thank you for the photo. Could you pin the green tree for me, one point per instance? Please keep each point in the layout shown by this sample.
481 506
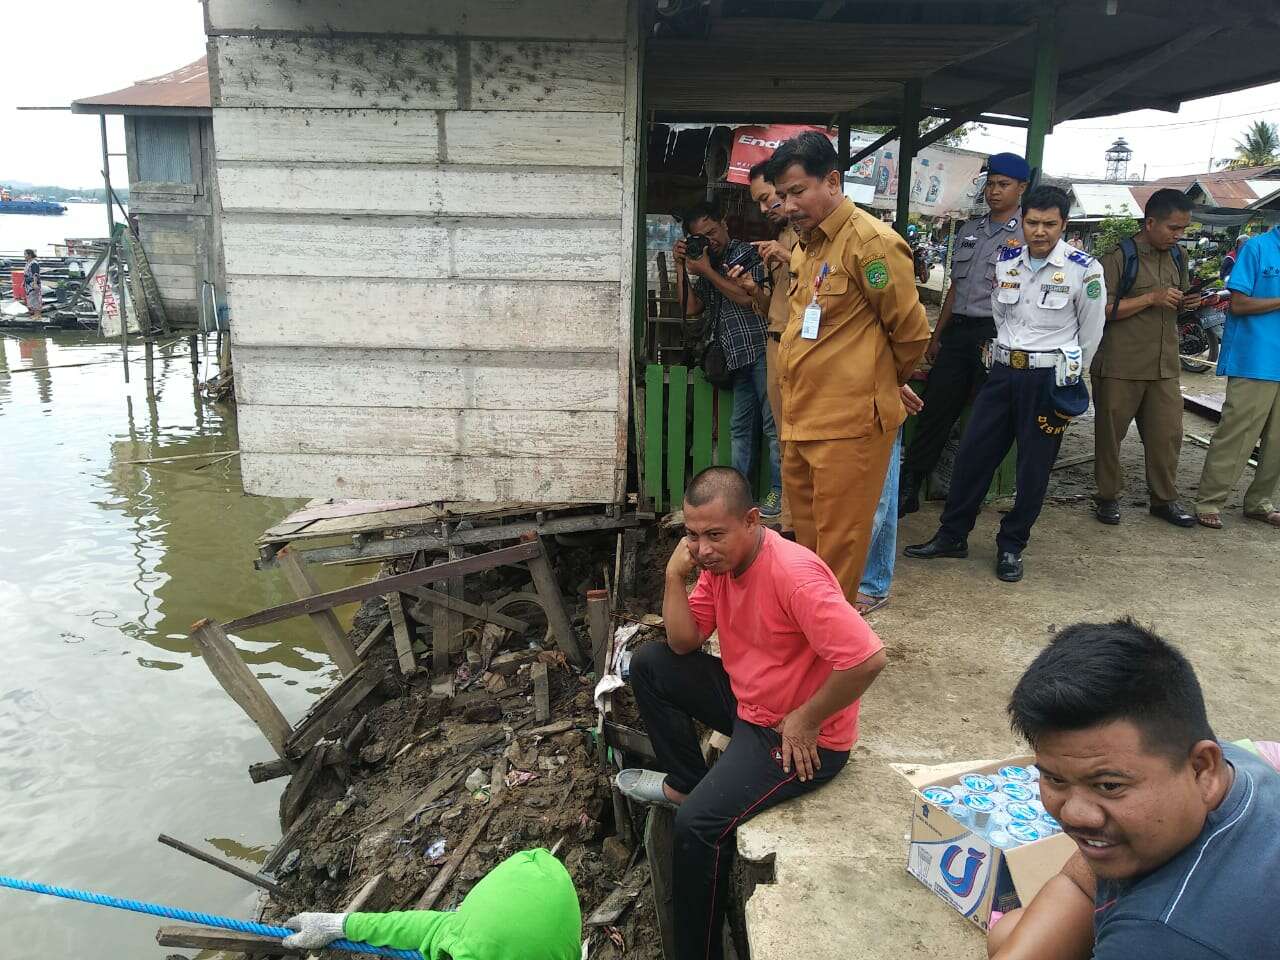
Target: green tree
1113 228
1259 146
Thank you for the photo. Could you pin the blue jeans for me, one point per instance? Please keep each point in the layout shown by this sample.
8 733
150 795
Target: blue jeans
750 409
877 575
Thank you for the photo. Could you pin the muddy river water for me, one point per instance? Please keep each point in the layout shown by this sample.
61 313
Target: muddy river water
111 728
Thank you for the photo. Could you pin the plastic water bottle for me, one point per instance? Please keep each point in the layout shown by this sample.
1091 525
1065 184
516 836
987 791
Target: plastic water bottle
1018 774
979 808
1014 790
978 783
1025 832
1049 823
1020 812
1002 839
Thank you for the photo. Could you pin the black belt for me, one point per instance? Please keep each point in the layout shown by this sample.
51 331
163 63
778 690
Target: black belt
969 318
774 335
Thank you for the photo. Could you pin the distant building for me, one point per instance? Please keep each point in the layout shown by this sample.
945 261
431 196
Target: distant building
173 192
1243 189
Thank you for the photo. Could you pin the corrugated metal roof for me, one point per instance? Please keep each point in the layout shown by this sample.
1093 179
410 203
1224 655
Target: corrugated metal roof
1103 200
186 88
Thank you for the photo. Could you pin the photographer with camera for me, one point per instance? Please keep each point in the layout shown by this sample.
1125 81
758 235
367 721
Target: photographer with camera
735 352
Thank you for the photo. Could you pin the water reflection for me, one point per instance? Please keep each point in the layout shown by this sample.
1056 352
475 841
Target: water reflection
111 731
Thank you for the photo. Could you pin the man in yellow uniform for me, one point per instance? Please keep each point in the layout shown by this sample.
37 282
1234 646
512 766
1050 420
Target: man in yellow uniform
856 331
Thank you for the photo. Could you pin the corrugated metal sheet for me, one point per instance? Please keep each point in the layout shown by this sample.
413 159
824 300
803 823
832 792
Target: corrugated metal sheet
164 149
1103 200
186 87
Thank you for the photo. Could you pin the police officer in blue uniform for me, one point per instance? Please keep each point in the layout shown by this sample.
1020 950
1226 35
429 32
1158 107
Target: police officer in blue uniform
1048 305
964 324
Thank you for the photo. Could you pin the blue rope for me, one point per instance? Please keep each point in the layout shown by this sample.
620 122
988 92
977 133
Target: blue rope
192 916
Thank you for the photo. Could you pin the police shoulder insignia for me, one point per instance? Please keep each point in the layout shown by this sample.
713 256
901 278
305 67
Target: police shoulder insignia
1093 289
1010 252
877 274
1080 257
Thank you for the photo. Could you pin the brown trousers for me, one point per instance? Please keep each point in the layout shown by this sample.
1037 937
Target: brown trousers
1157 406
834 486
775 401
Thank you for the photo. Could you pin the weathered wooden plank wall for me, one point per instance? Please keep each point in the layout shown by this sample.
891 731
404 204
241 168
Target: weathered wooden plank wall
428 228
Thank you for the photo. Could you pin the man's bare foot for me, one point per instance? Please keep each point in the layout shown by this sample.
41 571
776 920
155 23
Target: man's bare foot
675 796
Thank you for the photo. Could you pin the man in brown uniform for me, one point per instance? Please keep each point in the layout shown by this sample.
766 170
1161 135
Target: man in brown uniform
856 332
1136 370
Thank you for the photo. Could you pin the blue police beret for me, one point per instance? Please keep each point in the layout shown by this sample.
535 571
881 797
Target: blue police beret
1010 165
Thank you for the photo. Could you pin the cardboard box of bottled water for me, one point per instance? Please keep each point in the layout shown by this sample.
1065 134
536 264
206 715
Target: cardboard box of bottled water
963 855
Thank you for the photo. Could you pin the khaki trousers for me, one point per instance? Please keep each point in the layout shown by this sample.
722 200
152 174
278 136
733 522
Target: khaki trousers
834 486
1157 406
1251 412
775 401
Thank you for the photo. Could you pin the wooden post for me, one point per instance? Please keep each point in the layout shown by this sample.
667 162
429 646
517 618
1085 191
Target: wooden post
326 622
454 587
400 629
598 622
224 662
193 343
910 127
544 582
659 840
1044 88
221 864
441 641
541 692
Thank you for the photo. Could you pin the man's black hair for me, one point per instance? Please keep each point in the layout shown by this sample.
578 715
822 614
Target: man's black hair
720 483
702 209
812 150
761 169
1165 203
28 252
1096 673
1048 198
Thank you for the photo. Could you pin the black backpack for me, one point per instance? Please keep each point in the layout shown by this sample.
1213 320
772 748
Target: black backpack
1129 276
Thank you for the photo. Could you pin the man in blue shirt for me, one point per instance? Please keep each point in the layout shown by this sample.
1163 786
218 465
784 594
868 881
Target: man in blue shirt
1178 835
1250 359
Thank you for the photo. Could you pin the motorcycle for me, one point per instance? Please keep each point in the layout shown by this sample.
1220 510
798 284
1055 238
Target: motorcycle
1200 330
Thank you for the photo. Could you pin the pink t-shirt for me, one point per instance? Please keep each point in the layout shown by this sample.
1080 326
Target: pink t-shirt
784 627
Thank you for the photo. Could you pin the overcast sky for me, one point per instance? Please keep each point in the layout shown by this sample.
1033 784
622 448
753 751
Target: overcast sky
79 48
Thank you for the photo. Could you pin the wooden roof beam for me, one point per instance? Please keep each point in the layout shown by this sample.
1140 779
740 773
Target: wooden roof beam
1138 68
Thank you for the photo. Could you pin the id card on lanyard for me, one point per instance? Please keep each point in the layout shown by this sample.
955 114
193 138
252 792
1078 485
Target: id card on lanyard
813 312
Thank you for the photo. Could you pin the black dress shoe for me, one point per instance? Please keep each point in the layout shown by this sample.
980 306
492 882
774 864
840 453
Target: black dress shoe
1009 567
1174 513
908 494
940 546
1108 511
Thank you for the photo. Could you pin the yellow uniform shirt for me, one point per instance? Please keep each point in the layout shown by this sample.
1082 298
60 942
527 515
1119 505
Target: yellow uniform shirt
780 293
872 334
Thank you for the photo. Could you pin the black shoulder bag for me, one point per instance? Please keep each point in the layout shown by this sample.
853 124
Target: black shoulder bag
709 352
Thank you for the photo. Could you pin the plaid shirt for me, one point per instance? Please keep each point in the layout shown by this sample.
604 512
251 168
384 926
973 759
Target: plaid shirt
741 330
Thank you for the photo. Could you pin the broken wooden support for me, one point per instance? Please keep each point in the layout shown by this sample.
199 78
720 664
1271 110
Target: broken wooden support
519 553
331 709
498 777
376 634
455 588
326 622
544 581
400 630
289 842
659 841
632 538
441 640
600 624
622 822
459 854
227 667
218 862
614 906
630 740
270 770
479 611
294 799
541 692
211 938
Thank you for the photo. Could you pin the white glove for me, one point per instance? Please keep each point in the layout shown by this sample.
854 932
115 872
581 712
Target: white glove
315 930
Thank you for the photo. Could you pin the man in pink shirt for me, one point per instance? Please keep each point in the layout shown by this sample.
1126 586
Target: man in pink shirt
794 659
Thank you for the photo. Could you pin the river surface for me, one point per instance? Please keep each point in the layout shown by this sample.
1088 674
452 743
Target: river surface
82 220
111 728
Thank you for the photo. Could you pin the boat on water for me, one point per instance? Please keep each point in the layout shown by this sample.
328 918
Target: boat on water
10 204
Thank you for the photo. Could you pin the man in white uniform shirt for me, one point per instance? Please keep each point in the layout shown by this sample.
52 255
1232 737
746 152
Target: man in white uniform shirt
1048 304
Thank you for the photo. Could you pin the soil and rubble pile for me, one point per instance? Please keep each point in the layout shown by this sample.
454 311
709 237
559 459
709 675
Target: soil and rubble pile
419 776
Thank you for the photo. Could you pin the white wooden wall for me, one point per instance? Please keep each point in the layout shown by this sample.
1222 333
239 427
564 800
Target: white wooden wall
429 227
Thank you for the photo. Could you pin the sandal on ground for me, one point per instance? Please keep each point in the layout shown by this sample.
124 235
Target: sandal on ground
1211 520
644 786
866 603
1271 517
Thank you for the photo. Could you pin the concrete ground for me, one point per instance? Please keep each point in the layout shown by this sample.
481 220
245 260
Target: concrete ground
958 639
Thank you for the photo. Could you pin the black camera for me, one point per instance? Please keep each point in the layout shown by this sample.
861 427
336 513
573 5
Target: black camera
747 258
696 246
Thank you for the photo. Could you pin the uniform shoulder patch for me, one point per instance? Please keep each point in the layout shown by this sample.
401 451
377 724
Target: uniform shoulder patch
1080 257
1010 252
877 273
1093 289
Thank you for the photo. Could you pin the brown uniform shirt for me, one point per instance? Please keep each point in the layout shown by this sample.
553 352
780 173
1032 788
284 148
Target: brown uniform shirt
1145 345
872 334
780 293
